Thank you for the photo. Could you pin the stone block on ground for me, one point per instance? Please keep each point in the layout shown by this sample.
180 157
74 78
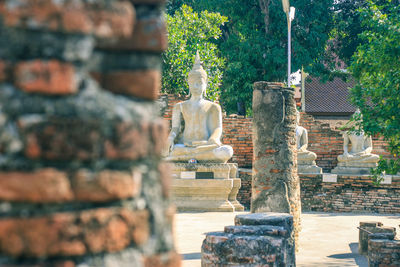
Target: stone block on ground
265 239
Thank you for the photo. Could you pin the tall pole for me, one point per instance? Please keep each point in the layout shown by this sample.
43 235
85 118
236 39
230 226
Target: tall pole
289 10
289 46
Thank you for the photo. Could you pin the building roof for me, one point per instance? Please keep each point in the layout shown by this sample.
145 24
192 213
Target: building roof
331 97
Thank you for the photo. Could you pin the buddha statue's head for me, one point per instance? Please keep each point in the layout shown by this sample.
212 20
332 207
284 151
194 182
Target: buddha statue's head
197 78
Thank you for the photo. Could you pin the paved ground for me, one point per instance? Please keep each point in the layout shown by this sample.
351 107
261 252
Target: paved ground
326 239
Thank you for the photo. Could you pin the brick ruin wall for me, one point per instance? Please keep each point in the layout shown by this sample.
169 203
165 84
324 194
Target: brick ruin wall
349 194
81 177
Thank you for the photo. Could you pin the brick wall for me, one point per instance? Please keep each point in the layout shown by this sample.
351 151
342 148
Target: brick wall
237 132
244 194
81 181
349 194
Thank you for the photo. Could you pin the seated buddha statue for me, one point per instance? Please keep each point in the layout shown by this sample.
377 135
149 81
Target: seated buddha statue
359 154
202 125
303 155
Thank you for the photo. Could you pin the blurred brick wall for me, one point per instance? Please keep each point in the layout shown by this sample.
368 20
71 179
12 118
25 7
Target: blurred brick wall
81 181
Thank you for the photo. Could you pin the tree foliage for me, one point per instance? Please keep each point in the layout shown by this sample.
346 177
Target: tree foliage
376 66
349 26
188 32
254 42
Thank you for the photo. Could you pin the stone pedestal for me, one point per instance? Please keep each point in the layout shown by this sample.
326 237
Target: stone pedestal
205 187
307 167
262 239
343 168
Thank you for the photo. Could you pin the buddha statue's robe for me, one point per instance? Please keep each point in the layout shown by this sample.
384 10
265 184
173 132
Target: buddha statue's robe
303 155
201 134
360 153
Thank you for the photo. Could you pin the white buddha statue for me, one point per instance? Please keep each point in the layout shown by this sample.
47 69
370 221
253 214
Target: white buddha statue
305 159
302 142
357 147
203 125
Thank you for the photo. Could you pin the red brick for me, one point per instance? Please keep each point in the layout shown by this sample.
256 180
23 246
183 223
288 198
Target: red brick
148 35
140 228
61 139
73 233
117 21
131 142
112 20
47 77
40 186
113 237
144 84
105 185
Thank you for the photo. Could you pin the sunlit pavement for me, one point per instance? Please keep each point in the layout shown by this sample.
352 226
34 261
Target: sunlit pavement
326 239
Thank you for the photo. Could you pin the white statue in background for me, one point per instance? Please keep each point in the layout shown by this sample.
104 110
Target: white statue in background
305 159
203 125
361 147
302 142
357 148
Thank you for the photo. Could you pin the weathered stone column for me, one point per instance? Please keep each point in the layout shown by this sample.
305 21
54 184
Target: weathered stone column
276 186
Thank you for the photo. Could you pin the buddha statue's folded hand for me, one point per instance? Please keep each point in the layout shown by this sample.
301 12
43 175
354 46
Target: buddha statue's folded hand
195 143
361 153
213 141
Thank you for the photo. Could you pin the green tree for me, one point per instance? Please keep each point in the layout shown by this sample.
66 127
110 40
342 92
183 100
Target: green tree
188 32
376 66
348 26
255 42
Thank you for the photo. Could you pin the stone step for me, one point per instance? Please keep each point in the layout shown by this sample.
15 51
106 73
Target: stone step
271 218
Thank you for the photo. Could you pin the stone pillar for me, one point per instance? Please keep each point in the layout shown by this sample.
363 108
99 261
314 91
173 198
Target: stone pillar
81 180
364 230
276 186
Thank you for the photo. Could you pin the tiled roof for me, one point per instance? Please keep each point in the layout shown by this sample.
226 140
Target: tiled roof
330 97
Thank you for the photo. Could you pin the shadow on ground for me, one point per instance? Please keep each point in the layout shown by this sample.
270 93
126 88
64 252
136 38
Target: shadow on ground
360 260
